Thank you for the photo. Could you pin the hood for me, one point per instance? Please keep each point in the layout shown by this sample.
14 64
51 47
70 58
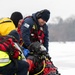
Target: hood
34 18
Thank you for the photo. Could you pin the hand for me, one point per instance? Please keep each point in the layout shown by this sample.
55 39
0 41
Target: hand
26 52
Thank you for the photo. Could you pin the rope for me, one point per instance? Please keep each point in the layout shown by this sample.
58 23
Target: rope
44 65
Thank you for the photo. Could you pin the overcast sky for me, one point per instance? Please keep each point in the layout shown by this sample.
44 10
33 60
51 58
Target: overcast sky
62 8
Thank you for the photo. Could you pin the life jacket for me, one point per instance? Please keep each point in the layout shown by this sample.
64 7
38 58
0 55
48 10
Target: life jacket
8 51
37 34
6 26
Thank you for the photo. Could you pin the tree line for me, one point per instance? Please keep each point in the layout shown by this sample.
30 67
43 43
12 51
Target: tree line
62 31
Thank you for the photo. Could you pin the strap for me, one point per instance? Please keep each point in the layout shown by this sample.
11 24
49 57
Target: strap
44 65
5 22
4 60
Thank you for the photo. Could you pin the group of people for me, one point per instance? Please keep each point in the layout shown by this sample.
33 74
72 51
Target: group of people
24 45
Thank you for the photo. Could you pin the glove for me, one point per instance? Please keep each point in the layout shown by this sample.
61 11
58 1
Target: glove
44 52
35 46
42 48
26 52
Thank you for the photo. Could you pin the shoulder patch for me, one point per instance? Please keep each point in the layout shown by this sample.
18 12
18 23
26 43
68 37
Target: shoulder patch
26 25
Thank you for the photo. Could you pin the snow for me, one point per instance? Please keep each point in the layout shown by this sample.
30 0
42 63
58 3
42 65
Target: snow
63 56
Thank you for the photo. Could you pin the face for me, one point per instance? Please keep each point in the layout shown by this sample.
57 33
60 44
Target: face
20 22
41 22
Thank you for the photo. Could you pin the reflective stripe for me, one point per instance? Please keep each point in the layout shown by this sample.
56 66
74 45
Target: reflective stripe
18 47
4 60
5 63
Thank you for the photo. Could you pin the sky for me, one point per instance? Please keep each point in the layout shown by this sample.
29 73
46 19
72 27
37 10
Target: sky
58 8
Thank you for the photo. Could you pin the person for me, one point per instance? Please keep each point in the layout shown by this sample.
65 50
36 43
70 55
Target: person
10 56
34 28
39 61
34 36
9 24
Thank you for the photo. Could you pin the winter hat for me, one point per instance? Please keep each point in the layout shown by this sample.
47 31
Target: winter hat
15 34
15 17
44 14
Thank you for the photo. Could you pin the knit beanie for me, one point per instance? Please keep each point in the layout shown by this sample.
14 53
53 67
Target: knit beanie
15 17
44 14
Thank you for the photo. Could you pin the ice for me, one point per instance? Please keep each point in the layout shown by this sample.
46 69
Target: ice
63 56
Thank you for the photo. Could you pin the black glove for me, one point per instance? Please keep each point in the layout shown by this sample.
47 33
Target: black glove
35 46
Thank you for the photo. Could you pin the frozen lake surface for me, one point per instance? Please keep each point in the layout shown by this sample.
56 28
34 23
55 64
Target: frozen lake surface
63 56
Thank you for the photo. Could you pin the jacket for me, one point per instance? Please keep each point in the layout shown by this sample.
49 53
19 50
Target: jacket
6 26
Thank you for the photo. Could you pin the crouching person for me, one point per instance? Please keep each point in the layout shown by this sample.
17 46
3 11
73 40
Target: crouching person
9 54
40 61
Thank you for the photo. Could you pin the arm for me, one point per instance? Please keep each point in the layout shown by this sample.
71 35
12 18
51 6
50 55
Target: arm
46 39
25 29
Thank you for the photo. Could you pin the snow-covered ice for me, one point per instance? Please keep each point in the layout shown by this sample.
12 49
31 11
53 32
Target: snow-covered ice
63 56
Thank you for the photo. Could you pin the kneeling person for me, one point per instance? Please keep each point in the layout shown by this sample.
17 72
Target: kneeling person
9 62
